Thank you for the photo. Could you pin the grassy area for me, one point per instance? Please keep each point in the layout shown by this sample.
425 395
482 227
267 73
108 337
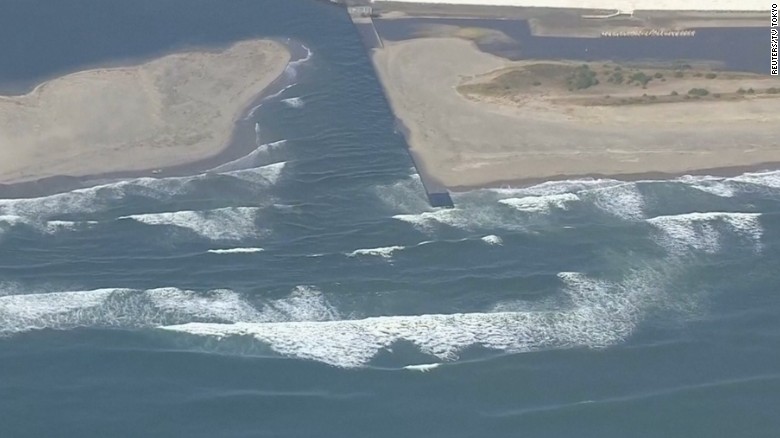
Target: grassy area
613 84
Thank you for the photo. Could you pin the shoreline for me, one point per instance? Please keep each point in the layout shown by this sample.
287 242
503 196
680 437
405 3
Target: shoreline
242 141
717 172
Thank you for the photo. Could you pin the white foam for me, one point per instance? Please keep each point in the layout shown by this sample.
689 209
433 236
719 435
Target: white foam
253 159
541 204
305 303
231 223
217 304
492 239
557 187
132 308
384 252
765 179
423 367
709 184
622 200
698 230
293 102
277 94
236 250
601 315
268 174
102 197
20 313
292 67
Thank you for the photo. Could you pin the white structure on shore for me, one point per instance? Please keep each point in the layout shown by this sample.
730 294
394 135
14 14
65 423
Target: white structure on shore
622 5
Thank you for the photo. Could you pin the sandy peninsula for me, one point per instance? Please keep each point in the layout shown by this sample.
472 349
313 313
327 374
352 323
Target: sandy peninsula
475 119
168 111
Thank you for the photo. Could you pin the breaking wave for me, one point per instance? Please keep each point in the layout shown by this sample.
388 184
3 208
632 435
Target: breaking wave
293 102
600 314
492 240
258 157
236 250
132 308
384 252
231 223
105 196
704 231
541 204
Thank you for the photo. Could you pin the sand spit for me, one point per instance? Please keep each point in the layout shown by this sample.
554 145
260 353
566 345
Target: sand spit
168 111
467 141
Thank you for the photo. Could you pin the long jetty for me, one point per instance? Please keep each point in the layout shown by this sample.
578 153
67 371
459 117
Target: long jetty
437 193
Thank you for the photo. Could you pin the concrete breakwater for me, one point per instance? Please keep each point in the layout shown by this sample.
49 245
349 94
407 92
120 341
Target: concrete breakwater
649 33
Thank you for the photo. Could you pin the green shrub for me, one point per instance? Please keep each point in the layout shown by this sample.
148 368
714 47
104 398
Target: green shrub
583 77
679 74
674 93
773 90
710 76
658 75
698 92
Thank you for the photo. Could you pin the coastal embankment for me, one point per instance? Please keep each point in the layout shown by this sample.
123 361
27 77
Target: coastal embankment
169 111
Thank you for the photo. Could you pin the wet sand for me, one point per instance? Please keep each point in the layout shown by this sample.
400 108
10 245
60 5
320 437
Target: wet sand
467 143
168 112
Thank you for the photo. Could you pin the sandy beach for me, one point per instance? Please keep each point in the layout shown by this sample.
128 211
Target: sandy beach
468 140
172 110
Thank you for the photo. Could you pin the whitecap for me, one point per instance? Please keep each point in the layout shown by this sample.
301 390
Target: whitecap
423 367
236 250
384 252
492 239
253 159
698 230
541 204
601 315
293 102
133 308
231 223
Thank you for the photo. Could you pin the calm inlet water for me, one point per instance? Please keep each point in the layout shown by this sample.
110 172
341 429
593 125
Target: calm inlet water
307 290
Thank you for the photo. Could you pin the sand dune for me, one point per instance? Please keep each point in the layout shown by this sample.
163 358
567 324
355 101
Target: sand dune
172 110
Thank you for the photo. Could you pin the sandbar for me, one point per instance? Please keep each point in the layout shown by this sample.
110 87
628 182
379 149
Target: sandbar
168 111
467 138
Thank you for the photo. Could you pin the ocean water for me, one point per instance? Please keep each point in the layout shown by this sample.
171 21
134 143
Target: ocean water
308 290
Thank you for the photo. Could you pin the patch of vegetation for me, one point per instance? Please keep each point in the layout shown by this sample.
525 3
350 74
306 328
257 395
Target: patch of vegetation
658 75
616 78
679 74
751 91
640 78
741 91
773 90
537 83
582 78
674 93
698 92
710 76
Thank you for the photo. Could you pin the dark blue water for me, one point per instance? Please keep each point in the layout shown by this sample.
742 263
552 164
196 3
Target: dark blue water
578 308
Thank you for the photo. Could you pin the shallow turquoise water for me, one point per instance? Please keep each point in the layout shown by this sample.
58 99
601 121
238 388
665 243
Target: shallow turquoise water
579 308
